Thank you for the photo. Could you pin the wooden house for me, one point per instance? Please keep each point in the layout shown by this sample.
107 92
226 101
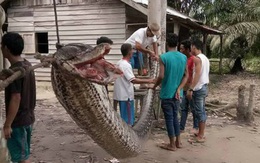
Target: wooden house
82 21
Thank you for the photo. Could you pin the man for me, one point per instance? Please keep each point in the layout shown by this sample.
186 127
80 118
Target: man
185 48
140 40
199 88
104 40
124 88
173 76
20 98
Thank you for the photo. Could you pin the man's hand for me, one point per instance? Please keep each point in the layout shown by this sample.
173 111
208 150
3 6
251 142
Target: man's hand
155 58
7 132
189 94
151 53
177 95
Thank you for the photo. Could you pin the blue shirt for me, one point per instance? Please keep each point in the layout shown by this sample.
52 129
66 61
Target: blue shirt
174 69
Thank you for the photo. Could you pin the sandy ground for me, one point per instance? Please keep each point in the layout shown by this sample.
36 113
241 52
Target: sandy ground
57 139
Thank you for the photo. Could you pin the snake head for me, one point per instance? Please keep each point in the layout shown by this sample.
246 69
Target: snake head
87 62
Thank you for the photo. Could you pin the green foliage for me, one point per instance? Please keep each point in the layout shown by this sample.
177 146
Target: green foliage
255 48
236 18
188 6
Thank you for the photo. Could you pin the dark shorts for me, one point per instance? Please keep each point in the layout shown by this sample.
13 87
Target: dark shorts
19 143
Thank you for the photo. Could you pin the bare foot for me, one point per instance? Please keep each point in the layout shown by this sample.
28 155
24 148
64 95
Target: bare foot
178 144
167 147
194 131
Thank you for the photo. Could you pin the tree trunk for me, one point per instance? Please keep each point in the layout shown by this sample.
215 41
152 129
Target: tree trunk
237 67
245 113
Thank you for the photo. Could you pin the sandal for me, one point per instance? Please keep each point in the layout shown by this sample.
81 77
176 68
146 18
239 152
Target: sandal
197 140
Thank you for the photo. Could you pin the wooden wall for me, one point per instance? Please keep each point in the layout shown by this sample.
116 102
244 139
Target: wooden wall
81 21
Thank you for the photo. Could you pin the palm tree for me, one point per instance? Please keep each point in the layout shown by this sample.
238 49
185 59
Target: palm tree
237 18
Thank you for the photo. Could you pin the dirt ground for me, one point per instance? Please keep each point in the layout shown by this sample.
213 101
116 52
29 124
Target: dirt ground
57 139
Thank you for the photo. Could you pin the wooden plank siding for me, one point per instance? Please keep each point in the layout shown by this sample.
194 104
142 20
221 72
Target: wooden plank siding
81 21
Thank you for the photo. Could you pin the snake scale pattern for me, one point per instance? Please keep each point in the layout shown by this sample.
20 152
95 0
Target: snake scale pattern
89 106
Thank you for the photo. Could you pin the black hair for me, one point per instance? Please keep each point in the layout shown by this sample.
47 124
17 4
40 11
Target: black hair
186 44
14 42
125 49
172 40
197 43
104 40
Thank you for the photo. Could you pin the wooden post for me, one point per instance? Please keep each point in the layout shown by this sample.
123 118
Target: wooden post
245 113
221 54
176 28
205 43
241 103
163 25
249 116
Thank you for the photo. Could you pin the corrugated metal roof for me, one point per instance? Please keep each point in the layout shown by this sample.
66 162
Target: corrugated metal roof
170 11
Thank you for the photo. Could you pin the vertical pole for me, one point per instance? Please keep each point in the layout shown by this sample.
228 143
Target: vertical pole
205 43
157 14
4 158
56 21
221 54
163 25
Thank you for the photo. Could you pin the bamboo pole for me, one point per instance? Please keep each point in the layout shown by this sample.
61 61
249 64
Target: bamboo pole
20 73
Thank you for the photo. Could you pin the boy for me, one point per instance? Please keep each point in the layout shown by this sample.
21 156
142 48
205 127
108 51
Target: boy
124 88
20 98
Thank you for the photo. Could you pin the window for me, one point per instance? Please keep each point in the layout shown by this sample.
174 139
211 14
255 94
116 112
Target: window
42 45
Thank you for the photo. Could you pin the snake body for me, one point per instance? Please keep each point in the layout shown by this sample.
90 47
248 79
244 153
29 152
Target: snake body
89 106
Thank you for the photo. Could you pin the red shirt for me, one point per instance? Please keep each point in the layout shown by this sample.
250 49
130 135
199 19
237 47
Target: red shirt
190 64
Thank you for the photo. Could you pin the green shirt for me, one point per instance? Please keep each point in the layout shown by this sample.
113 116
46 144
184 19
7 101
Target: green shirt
174 69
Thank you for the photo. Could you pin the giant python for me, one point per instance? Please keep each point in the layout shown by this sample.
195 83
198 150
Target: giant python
78 76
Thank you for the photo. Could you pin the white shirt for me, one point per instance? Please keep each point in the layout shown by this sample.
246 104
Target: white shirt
141 37
204 73
123 87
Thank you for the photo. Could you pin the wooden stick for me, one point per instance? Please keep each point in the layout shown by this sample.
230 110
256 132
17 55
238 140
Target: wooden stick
227 107
19 74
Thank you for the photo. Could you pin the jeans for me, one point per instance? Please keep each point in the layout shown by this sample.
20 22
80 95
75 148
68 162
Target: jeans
185 105
136 60
198 103
170 109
